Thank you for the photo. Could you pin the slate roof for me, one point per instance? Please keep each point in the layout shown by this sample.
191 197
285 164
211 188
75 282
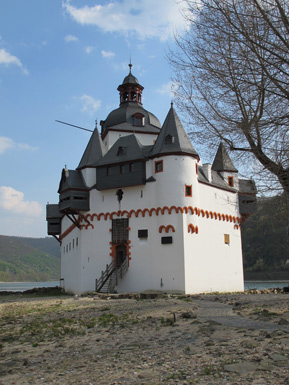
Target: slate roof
122 119
94 151
222 161
217 180
52 211
173 137
74 181
247 186
125 149
130 79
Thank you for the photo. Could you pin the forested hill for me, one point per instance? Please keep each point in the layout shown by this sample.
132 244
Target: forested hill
265 236
29 259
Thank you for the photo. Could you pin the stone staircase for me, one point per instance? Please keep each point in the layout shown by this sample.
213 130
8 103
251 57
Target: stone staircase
110 277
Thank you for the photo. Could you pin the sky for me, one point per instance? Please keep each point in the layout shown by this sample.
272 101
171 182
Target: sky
63 60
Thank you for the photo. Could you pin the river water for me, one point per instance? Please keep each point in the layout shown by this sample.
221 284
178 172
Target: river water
22 286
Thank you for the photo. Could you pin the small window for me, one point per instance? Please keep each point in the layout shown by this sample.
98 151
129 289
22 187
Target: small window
167 240
159 166
73 243
121 150
231 181
227 239
76 241
122 169
197 171
170 139
143 233
108 171
131 167
138 120
188 190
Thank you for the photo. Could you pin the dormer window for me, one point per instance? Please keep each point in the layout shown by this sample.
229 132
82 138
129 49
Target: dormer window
121 150
138 120
169 139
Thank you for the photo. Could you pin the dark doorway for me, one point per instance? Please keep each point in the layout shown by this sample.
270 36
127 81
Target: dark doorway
120 255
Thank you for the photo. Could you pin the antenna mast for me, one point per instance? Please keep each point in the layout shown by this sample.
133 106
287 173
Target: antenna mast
72 125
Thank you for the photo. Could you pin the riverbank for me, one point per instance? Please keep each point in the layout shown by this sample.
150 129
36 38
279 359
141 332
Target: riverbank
105 340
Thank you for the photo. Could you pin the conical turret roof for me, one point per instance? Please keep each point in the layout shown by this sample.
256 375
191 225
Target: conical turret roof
94 151
173 138
222 161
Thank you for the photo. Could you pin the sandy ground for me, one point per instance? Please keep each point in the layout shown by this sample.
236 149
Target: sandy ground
204 339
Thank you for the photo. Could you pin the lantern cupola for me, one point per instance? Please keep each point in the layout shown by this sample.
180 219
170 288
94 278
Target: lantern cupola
130 90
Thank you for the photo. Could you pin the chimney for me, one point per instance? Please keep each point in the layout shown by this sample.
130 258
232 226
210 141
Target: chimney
207 169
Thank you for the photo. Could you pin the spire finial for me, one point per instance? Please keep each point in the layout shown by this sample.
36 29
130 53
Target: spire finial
130 65
172 104
95 123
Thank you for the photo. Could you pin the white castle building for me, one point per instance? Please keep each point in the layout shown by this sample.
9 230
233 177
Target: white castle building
140 212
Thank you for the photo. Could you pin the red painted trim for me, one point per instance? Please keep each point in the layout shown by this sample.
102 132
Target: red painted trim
193 229
166 228
159 162
231 181
158 210
191 190
68 231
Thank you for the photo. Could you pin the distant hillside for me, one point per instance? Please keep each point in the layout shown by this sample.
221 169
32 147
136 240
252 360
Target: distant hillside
265 236
29 259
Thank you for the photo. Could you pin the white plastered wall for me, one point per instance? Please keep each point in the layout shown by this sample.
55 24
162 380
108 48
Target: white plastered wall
192 263
113 136
210 264
153 265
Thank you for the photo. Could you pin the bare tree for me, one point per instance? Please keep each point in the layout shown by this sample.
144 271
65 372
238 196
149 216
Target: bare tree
232 72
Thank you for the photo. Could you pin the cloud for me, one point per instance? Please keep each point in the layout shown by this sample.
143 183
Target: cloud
89 49
70 38
26 147
144 18
169 89
107 54
7 144
13 201
7 59
89 104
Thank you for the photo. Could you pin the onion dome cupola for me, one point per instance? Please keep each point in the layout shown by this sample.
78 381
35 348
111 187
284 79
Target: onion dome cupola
130 116
130 90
